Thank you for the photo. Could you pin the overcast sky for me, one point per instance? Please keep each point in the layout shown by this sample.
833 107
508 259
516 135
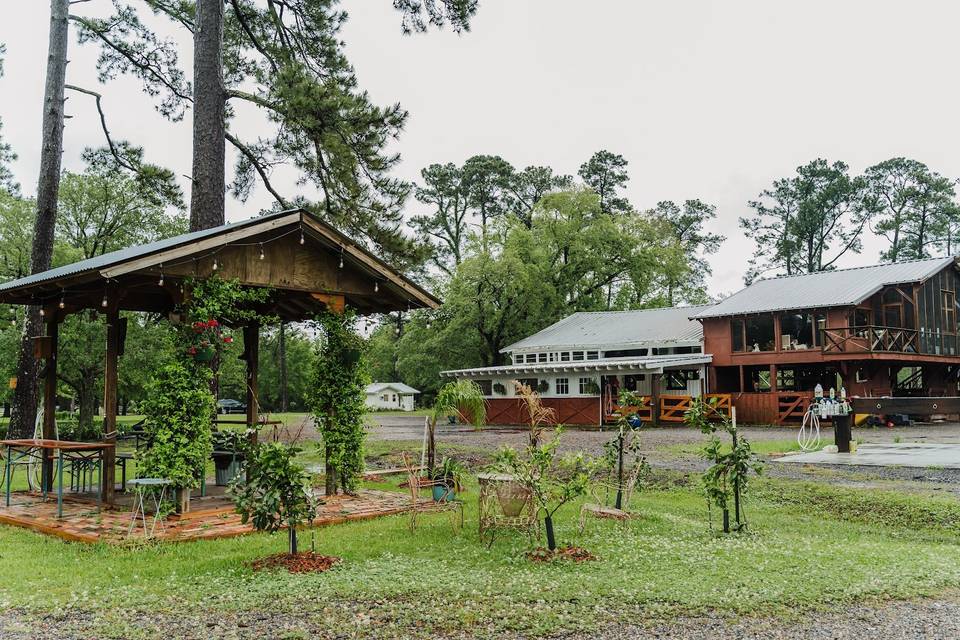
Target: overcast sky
709 100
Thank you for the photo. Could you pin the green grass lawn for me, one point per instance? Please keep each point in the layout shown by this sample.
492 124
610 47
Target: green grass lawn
809 546
762 447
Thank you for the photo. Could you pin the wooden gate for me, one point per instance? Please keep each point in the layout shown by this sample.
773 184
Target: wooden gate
673 408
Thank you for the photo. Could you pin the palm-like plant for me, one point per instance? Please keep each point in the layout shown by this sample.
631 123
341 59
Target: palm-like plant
463 398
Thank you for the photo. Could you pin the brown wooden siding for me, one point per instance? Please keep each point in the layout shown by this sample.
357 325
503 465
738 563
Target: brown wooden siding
573 411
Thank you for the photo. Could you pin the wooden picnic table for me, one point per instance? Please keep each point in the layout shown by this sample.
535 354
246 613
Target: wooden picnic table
39 448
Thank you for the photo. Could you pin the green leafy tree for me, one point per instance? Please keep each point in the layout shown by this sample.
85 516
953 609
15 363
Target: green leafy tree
447 225
276 492
914 208
727 479
685 226
805 223
606 174
8 186
528 187
553 481
337 399
487 180
287 59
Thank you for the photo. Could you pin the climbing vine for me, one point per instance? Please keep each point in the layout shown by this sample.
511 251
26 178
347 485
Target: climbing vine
180 401
337 398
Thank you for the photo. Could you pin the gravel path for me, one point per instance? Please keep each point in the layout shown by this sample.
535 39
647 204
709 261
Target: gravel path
936 619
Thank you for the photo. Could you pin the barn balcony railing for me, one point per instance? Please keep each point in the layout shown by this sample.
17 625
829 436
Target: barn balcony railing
870 339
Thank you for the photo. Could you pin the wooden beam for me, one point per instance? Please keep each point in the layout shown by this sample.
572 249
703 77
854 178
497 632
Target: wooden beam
110 402
207 244
334 303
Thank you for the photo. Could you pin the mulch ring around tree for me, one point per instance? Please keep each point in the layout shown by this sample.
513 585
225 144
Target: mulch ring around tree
303 562
577 554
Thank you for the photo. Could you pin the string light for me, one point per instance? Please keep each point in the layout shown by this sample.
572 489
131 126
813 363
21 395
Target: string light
301 237
104 303
62 304
262 256
376 286
42 312
341 257
215 265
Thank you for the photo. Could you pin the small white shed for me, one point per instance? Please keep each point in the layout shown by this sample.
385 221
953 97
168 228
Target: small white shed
390 395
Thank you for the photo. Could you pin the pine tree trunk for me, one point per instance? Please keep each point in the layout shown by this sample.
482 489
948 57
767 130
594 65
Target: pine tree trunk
24 413
284 404
209 102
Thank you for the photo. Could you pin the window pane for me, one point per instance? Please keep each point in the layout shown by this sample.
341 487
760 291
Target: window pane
796 329
564 356
736 334
578 355
759 330
593 355
563 386
486 387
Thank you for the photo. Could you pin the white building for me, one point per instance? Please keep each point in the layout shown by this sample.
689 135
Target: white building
390 395
588 357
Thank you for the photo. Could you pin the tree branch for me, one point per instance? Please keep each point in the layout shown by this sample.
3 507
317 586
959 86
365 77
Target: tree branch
103 124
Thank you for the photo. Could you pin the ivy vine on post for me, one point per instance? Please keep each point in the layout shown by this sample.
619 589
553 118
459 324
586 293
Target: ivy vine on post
727 478
180 401
337 399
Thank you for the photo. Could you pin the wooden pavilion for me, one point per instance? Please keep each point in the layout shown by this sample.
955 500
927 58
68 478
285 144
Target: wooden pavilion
309 265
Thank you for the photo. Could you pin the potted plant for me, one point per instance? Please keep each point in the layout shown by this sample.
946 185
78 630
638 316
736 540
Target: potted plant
228 456
448 478
463 398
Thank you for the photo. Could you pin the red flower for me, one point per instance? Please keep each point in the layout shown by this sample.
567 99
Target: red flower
228 339
192 351
212 323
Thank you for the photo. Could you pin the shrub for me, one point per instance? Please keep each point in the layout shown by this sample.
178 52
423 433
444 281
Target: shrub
276 492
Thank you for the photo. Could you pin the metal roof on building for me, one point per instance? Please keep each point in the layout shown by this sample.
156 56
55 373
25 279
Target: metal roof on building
839 288
399 387
611 329
606 365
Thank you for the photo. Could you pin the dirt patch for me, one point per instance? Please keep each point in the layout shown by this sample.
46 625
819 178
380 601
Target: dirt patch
303 562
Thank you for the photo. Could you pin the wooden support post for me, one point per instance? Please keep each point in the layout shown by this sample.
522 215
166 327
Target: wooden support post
251 343
108 473
50 399
773 378
655 399
742 381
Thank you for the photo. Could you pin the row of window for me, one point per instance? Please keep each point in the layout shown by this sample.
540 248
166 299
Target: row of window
674 380
579 356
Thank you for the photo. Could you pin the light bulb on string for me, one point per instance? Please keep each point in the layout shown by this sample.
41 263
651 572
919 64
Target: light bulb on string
376 286
262 256
215 265
104 303
62 304
42 312
341 257
302 240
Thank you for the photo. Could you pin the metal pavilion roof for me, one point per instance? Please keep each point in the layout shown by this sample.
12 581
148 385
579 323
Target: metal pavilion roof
839 288
609 329
653 364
